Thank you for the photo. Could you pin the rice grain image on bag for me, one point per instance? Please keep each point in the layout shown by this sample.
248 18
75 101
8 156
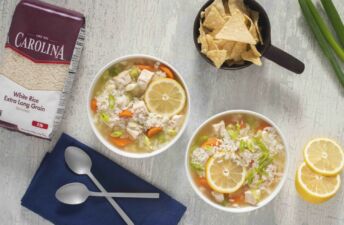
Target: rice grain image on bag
40 59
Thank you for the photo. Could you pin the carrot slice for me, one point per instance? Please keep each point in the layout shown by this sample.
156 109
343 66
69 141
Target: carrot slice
263 125
168 71
146 67
213 141
126 114
94 106
202 181
153 131
120 142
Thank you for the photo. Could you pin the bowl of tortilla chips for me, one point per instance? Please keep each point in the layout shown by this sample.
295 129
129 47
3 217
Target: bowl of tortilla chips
227 33
233 34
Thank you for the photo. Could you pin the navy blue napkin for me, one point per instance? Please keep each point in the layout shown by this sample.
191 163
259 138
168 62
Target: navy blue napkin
53 173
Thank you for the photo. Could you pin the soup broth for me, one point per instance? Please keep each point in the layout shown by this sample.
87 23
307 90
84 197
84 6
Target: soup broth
127 117
237 160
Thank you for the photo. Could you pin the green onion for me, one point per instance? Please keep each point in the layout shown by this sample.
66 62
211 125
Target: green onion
112 101
250 176
117 133
335 19
322 41
208 148
197 166
233 134
202 139
324 29
146 140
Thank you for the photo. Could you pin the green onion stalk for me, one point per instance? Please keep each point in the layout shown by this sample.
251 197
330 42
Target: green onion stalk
322 41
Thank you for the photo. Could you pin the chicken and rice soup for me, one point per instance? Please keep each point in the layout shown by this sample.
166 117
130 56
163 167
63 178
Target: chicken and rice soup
139 106
237 160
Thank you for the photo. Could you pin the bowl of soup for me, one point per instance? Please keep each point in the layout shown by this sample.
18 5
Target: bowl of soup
237 161
138 106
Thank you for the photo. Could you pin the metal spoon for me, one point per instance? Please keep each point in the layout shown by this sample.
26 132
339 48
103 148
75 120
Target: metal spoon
77 193
80 163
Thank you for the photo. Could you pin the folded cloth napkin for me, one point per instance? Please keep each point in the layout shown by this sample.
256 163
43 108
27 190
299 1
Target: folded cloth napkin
53 173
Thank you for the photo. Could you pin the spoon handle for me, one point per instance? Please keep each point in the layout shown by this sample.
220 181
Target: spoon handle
125 195
119 210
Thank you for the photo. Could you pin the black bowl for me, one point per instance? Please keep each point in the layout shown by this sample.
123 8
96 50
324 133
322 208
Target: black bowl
266 49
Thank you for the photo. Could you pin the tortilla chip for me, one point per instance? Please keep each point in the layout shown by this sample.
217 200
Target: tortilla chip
255 51
251 27
211 42
248 56
202 40
235 5
236 30
218 57
237 51
213 20
218 4
202 14
252 55
255 18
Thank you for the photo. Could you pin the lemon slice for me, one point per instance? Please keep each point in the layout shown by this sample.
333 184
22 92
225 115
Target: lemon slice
314 187
165 96
324 156
224 176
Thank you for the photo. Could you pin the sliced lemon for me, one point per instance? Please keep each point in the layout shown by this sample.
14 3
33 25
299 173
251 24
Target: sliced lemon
224 176
324 156
165 96
314 187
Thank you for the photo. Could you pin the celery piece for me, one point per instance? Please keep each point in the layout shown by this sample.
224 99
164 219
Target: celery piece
115 70
172 132
161 137
134 72
104 117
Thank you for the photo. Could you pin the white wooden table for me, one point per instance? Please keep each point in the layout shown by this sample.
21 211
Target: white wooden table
306 106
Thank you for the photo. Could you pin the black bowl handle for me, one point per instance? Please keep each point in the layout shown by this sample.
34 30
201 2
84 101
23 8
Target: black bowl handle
284 59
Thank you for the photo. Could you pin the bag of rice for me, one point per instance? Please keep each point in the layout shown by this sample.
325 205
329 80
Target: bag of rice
40 60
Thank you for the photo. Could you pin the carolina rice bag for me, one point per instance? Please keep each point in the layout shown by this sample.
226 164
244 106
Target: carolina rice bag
40 60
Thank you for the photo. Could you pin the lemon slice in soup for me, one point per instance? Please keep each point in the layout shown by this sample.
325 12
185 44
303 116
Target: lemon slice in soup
165 96
224 176
324 156
313 187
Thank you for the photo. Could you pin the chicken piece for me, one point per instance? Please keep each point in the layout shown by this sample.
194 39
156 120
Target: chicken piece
134 89
123 79
134 130
144 79
219 197
220 129
139 108
252 196
122 101
176 121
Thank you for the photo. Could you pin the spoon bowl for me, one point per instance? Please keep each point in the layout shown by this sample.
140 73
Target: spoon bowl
72 194
78 161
